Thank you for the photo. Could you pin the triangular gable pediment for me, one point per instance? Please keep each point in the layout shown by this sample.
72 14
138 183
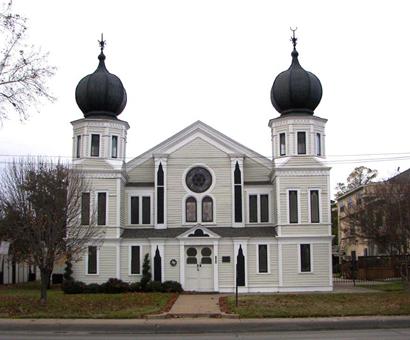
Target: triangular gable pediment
206 133
198 231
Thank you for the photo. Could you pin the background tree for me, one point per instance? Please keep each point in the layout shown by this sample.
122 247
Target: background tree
382 215
24 69
361 175
41 205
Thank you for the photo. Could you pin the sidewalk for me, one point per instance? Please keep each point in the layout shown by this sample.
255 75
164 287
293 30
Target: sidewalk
196 305
198 326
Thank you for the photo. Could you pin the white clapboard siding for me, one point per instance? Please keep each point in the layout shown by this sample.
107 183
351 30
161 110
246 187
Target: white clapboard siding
199 152
290 268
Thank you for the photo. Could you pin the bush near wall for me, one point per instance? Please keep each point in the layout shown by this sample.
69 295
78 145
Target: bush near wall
115 286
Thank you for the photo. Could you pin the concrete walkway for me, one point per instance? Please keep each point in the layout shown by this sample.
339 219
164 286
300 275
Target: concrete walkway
196 305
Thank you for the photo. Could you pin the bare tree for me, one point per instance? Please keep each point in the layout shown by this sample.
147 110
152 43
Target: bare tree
24 68
382 215
361 175
41 204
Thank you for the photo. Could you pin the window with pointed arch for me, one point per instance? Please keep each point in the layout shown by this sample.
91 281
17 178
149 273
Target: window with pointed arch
190 209
207 209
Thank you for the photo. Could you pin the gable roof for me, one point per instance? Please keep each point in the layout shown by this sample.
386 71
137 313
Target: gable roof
205 132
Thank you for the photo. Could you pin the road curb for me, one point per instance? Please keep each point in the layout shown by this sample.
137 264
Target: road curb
201 325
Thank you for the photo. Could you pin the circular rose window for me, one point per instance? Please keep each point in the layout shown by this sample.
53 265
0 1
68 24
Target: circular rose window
198 179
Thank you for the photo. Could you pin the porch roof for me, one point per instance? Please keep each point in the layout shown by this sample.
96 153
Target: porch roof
268 231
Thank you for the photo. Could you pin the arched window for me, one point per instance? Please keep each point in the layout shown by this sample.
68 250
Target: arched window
207 209
190 209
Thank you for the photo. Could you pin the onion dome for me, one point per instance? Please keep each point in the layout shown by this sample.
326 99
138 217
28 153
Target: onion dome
296 90
101 94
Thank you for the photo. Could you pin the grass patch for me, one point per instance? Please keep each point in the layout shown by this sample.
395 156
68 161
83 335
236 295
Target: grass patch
23 302
396 286
317 305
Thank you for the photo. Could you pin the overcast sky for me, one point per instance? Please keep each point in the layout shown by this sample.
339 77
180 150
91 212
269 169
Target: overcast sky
215 61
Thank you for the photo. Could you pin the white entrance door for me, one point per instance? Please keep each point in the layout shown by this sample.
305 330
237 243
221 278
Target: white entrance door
199 269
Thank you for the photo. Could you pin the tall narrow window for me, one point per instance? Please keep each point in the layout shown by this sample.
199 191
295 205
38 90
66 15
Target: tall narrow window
282 144
305 262
92 260
135 260
102 208
301 143
314 206
190 209
160 195
114 146
85 208
146 210
253 208
264 204
78 147
262 258
238 193
293 206
95 145
318 145
135 210
207 209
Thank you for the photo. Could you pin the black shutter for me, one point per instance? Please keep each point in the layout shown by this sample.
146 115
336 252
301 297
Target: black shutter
305 258
318 145
282 144
253 208
95 145
78 152
160 195
160 175
146 210
238 194
160 205
135 260
301 143
92 260
293 206
240 268
114 146
314 206
85 208
102 208
157 266
135 210
238 204
264 208
263 258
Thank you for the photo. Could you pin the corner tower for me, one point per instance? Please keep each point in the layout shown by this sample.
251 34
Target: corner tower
99 144
100 137
301 179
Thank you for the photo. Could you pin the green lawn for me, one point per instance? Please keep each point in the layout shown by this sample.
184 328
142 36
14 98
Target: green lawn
395 286
316 305
23 302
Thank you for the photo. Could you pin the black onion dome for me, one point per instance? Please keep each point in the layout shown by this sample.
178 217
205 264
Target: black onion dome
101 93
296 90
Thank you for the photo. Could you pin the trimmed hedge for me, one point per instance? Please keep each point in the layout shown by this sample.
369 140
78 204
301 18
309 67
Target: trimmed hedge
115 286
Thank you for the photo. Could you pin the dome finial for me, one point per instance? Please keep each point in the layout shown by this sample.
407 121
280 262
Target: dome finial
293 39
102 42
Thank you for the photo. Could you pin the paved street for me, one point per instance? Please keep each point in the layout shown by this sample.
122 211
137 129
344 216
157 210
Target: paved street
392 334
